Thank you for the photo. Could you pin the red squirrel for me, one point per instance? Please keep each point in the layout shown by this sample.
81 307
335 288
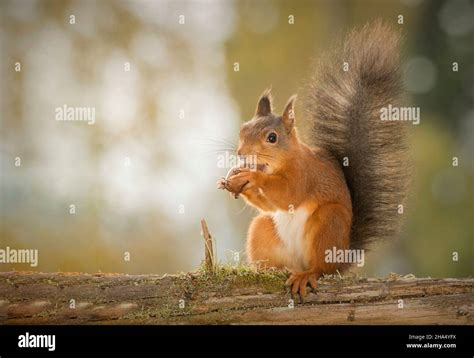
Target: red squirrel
344 188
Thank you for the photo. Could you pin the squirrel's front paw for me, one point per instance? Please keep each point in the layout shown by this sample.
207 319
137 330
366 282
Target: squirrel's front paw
298 282
221 183
240 182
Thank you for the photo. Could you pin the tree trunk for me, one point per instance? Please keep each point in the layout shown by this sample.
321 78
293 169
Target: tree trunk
228 296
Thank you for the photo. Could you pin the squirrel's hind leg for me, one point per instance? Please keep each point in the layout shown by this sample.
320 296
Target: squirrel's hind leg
264 248
327 228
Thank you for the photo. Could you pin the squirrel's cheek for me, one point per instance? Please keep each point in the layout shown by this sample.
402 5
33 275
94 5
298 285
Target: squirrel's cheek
267 169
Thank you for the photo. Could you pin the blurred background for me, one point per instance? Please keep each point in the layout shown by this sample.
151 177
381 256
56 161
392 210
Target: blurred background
171 82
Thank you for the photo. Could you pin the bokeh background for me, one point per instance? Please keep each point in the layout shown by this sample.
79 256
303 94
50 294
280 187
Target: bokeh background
144 174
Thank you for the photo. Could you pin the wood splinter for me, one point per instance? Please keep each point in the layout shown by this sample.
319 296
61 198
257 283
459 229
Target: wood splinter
209 261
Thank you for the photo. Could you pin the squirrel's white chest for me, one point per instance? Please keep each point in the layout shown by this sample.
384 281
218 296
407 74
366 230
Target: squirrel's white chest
290 228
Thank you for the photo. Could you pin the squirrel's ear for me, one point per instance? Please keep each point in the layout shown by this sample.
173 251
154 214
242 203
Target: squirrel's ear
264 106
288 115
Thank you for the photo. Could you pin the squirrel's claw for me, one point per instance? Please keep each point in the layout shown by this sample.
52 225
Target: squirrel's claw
298 282
231 183
221 183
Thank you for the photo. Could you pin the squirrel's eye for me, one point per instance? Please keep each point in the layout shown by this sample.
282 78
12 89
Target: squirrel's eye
272 137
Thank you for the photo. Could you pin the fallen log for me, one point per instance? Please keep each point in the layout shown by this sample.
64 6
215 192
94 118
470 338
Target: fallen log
229 295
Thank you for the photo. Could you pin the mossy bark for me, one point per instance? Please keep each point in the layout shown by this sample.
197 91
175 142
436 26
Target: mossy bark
229 296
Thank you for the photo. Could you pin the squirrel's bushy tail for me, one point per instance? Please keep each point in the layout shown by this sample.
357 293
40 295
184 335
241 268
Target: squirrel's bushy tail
344 107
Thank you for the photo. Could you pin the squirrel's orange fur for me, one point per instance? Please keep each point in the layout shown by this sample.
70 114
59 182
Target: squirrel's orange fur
295 178
308 201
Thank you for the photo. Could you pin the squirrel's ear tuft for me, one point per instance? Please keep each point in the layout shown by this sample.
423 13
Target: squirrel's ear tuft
288 115
264 106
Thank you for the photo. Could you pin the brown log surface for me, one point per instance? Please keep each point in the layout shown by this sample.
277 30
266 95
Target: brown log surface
232 297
